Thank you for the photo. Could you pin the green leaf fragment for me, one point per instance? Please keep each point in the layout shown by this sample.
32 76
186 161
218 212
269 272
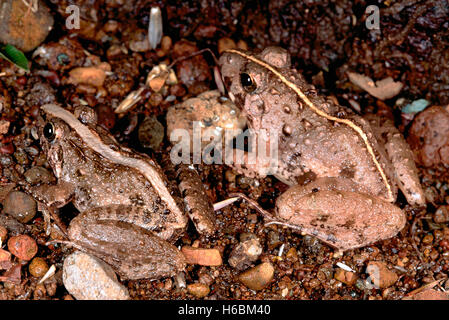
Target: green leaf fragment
14 55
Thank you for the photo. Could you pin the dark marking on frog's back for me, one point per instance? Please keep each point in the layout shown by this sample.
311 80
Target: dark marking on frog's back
347 172
306 177
137 200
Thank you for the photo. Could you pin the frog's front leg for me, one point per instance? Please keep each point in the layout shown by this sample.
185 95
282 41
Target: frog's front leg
134 252
49 199
339 213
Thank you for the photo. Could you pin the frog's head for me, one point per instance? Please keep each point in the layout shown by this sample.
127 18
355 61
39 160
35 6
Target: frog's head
57 137
52 134
246 76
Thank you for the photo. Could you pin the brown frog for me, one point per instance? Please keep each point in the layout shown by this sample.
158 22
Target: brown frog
129 212
344 169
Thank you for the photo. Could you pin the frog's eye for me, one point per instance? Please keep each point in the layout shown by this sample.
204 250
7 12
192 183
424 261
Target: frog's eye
247 82
49 131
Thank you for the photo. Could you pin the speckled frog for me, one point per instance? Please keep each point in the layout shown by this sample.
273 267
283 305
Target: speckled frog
344 169
129 212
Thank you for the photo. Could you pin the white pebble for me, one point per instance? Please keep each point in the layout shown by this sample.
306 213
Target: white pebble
155 27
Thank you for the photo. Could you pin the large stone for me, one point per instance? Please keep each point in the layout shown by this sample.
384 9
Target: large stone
88 278
22 26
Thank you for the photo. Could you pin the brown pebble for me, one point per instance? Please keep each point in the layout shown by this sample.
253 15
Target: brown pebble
441 214
38 267
429 136
428 239
380 275
242 45
23 247
4 255
292 255
199 290
39 291
157 83
258 277
346 277
225 44
166 44
3 233
111 26
6 148
202 256
20 206
94 76
177 90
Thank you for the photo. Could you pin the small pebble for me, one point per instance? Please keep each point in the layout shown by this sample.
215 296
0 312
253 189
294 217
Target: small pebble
242 45
429 136
4 255
151 133
441 214
111 26
347 277
4 126
139 41
3 233
258 277
6 148
428 239
37 175
20 206
199 290
13 226
225 44
24 247
166 44
202 256
38 267
88 278
39 291
94 76
292 255
245 253
380 275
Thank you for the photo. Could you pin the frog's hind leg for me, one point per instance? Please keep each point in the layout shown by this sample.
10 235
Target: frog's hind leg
151 220
345 219
401 156
133 252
